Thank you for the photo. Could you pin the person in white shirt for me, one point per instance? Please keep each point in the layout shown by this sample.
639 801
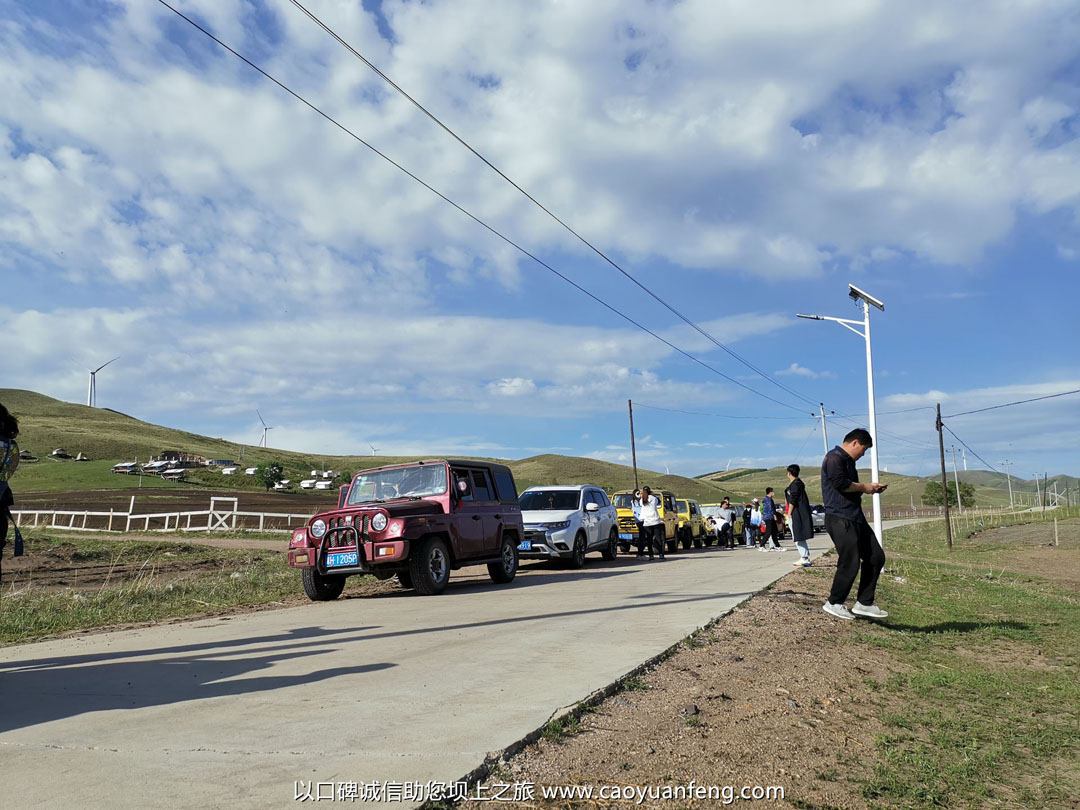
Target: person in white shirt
652 523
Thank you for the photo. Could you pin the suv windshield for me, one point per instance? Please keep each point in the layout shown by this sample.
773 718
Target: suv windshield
404 482
562 499
624 501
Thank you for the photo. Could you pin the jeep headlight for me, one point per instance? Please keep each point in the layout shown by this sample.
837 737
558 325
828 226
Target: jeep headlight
562 524
378 523
318 529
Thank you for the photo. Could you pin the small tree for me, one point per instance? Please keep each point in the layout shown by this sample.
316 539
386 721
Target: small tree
932 494
269 473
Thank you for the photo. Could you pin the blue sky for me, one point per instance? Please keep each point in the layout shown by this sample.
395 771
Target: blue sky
162 202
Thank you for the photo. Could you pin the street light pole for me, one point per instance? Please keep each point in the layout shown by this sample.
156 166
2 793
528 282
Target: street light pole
1006 462
867 301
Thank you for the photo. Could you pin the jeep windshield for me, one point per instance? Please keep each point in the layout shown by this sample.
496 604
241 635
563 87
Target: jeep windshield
378 486
624 501
549 499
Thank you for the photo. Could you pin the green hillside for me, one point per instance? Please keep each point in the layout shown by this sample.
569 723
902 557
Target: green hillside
108 437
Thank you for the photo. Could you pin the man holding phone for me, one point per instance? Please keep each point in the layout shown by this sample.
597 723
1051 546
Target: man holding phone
856 544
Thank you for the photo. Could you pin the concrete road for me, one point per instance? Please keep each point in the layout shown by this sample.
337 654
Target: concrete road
232 712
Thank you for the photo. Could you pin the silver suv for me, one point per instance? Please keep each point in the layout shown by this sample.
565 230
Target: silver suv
567 522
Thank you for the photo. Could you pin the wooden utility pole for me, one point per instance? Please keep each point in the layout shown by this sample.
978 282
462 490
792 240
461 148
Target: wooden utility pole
633 447
944 479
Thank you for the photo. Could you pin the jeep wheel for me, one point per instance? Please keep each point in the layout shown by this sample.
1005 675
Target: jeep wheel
504 570
697 541
709 540
321 587
577 556
611 550
686 539
673 545
405 579
429 569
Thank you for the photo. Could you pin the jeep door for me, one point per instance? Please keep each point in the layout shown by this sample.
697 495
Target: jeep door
486 503
467 520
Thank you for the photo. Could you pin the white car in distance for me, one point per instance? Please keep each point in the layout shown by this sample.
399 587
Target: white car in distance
567 522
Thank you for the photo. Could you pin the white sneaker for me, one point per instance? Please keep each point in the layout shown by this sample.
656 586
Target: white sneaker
781 548
797 563
869 611
839 611
762 548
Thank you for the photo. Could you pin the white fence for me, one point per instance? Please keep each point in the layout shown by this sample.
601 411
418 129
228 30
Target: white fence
223 515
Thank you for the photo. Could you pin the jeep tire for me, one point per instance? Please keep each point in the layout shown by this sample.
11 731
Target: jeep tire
321 587
698 540
577 554
429 566
404 578
686 538
611 550
504 570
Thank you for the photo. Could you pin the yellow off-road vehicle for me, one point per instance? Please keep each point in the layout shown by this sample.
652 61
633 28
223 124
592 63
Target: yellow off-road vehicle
628 530
692 524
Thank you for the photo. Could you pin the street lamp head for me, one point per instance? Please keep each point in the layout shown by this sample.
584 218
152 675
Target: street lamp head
810 317
856 295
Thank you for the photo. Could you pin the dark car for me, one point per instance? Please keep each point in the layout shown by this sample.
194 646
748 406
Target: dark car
418 521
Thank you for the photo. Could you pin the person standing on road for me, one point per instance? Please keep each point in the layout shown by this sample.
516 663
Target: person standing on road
727 514
747 526
9 460
802 521
768 520
635 505
856 544
653 524
755 522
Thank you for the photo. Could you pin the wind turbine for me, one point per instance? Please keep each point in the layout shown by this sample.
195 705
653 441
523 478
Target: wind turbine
374 449
266 428
91 392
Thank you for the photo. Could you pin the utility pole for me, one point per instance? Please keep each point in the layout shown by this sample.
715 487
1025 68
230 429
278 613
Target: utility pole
944 478
1006 462
956 480
1038 492
633 447
963 455
824 430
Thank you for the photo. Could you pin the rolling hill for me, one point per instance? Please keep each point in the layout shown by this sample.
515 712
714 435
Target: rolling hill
108 437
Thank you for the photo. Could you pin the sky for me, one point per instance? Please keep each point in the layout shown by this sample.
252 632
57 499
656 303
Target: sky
162 202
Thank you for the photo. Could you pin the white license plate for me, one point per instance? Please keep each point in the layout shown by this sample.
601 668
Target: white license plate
341 559
625 536
525 545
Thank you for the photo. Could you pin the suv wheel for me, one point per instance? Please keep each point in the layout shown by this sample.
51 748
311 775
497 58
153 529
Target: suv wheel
429 569
577 556
504 570
686 538
321 587
405 578
611 550
698 540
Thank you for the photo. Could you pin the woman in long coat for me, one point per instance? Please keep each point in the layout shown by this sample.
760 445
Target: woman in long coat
802 522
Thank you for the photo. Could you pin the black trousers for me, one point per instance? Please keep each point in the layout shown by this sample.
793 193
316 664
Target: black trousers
655 535
856 549
770 533
642 540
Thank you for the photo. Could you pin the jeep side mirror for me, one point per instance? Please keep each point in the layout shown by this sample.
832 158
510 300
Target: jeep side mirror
592 507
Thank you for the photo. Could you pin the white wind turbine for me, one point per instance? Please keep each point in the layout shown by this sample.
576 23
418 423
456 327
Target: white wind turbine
266 428
374 449
91 391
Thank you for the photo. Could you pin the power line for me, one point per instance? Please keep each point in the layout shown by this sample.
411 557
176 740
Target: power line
980 458
717 415
470 215
543 208
1010 404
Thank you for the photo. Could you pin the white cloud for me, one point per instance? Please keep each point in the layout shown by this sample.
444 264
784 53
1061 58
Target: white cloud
799 371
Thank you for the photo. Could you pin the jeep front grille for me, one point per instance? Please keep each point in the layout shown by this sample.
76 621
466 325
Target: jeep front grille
627 524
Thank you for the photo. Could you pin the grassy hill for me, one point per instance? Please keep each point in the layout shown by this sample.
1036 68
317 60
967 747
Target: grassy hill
729 475
108 437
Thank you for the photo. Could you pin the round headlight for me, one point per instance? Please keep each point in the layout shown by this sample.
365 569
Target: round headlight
318 528
378 523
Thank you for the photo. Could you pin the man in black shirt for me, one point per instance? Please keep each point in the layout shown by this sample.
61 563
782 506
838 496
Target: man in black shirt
855 541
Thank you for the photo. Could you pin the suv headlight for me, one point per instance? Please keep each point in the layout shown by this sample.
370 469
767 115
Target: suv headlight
378 523
562 524
318 529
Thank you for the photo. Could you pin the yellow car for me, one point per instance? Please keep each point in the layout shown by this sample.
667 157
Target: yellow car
628 530
691 523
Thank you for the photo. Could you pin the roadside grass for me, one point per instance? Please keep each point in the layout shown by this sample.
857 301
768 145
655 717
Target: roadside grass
235 579
983 708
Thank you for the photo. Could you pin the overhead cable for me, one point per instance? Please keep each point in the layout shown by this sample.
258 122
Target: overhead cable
546 210
980 458
470 215
1010 404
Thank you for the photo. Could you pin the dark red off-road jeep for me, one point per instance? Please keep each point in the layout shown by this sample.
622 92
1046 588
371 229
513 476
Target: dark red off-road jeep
417 521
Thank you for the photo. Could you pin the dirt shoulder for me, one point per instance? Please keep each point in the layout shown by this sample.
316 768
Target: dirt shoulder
777 693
